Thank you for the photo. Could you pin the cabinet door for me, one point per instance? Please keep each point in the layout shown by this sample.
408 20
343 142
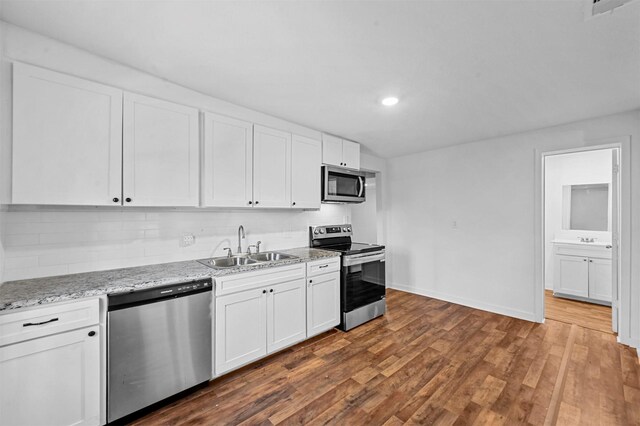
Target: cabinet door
241 329
600 279
67 139
52 380
228 162
323 303
331 150
271 167
160 153
571 275
350 155
305 173
286 322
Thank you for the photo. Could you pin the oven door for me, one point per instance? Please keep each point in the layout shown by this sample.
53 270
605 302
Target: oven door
342 186
363 280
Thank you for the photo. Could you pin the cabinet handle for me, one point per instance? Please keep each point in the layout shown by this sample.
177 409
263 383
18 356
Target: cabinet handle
271 291
590 261
584 260
345 164
250 202
323 266
310 281
116 199
256 203
128 200
29 324
92 333
294 203
264 291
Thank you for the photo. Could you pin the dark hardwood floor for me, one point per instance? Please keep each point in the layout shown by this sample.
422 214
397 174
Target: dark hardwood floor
429 362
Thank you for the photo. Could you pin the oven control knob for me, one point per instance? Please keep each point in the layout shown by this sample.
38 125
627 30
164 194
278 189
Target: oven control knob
349 229
315 231
322 231
344 229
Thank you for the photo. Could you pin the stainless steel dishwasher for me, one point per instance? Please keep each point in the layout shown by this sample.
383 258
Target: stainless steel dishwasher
159 344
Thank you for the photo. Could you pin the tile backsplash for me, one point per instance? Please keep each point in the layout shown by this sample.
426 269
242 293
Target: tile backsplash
47 241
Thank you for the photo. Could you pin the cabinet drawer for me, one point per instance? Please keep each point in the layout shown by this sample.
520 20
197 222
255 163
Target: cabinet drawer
323 266
260 278
29 324
583 250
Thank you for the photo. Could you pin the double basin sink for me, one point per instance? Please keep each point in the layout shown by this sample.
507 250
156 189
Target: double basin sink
245 259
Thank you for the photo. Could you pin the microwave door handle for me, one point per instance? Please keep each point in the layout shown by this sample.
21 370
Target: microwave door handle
361 182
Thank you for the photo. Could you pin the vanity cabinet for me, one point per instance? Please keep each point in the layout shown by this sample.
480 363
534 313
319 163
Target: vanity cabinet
340 152
75 144
258 313
583 272
50 373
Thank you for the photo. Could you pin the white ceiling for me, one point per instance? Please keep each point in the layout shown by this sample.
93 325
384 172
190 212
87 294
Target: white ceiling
463 70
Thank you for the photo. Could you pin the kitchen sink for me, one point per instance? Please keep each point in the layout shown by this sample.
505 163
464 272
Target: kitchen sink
269 256
227 262
233 261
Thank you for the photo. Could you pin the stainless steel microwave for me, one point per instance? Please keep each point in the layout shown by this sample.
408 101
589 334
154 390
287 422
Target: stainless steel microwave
342 185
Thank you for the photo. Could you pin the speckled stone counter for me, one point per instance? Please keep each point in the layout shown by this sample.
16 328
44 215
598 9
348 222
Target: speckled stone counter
40 291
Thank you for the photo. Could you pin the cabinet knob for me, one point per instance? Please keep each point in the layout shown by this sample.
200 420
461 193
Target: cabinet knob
345 164
271 291
116 199
590 261
128 200
250 202
310 281
264 291
257 203
92 333
294 203
584 260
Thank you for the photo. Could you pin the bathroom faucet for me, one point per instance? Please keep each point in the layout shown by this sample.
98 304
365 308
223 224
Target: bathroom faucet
240 235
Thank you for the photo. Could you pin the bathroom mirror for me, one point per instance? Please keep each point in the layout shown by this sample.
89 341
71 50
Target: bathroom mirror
585 207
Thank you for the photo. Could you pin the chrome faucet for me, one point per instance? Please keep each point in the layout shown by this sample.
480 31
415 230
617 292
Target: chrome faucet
240 235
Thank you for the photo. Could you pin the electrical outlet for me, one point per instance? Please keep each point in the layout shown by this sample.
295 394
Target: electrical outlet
187 240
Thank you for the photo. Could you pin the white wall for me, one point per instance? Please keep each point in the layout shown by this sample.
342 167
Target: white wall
364 216
487 188
578 168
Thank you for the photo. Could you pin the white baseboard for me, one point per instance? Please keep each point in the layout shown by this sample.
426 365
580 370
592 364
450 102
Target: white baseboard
502 310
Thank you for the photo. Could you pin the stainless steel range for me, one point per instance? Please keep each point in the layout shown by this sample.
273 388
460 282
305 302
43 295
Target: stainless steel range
362 280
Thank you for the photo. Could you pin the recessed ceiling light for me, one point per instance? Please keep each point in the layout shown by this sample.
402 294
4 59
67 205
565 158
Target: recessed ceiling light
390 101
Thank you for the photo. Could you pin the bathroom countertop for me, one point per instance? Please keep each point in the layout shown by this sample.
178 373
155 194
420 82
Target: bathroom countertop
40 291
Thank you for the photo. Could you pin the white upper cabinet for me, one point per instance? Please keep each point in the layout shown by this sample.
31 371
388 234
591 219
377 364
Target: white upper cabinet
228 162
331 150
340 152
271 167
67 139
160 154
350 155
305 172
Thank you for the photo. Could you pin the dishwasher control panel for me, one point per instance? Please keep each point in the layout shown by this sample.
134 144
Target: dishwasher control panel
148 295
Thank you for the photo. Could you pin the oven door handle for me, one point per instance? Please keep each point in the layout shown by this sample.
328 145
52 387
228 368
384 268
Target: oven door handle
361 182
358 260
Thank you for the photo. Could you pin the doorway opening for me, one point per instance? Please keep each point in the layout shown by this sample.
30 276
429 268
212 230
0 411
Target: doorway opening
581 228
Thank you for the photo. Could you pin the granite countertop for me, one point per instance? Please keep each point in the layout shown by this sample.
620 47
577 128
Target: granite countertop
40 291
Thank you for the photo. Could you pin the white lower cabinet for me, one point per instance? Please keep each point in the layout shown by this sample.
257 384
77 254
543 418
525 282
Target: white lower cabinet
572 275
285 315
51 380
323 303
258 313
241 329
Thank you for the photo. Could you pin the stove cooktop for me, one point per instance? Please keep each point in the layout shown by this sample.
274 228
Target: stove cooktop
353 248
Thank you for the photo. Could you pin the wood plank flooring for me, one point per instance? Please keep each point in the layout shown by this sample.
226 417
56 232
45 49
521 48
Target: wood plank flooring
428 362
588 315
